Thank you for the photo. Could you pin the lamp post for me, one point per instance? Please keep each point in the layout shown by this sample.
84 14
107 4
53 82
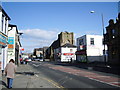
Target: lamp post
104 54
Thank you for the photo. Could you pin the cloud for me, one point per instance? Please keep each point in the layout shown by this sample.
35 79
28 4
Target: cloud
37 38
39 33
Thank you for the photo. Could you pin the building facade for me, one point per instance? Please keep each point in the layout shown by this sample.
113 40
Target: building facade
4 20
45 53
112 39
38 53
65 53
63 38
90 48
14 44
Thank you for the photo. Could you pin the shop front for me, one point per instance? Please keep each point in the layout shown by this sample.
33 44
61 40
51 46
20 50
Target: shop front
3 51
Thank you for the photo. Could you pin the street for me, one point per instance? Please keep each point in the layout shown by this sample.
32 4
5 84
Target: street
56 75
71 77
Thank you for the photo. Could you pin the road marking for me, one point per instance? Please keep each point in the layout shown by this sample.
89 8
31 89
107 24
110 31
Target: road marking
35 65
36 75
104 82
54 83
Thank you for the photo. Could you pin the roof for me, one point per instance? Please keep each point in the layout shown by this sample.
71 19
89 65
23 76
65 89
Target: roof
11 25
68 45
4 12
55 44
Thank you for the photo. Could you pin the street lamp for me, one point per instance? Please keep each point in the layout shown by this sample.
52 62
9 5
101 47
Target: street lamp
103 35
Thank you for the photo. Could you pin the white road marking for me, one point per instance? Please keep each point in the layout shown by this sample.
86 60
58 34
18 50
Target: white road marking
36 75
35 65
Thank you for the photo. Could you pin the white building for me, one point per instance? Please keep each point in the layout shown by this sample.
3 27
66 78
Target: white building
90 48
14 44
4 19
65 53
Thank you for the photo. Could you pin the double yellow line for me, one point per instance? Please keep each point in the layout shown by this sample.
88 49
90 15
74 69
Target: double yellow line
53 83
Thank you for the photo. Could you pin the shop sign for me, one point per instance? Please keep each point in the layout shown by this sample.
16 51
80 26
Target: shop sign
3 40
10 42
68 54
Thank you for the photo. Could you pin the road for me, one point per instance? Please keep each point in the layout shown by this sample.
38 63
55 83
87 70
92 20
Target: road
72 77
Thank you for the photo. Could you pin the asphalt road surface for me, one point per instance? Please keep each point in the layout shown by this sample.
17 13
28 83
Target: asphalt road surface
71 77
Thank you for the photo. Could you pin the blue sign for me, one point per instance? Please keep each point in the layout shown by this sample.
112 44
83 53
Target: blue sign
3 40
11 40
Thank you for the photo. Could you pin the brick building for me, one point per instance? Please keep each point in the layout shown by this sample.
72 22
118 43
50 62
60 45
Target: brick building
38 52
112 39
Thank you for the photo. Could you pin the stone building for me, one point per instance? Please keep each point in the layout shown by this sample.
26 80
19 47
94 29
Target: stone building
63 38
44 53
112 39
38 52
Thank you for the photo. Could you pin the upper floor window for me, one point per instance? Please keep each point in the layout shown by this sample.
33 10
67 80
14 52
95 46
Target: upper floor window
2 22
113 33
81 42
91 41
5 25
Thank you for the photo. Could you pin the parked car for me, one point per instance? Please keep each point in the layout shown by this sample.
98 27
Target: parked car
36 59
28 59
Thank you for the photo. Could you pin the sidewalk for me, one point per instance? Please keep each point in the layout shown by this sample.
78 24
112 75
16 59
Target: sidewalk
27 77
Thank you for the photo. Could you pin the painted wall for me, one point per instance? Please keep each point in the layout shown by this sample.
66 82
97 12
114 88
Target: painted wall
93 52
3 39
11 45
64 54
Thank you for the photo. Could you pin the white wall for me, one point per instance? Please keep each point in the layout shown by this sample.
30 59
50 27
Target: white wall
94 52
11 33
5 31
0 21
66 58
97 48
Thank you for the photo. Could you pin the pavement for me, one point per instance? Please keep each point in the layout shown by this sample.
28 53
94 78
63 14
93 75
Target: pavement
27 77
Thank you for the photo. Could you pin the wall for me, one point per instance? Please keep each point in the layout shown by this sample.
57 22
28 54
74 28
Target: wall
63 54
68 51
11 51
93 52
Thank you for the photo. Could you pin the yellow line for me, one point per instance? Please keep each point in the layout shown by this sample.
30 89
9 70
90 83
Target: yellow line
54 83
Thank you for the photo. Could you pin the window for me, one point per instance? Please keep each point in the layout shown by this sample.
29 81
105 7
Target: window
113 33
5 25
81 42
2 22
91 41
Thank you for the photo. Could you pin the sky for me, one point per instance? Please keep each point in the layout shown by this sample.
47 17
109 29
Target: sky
41 22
